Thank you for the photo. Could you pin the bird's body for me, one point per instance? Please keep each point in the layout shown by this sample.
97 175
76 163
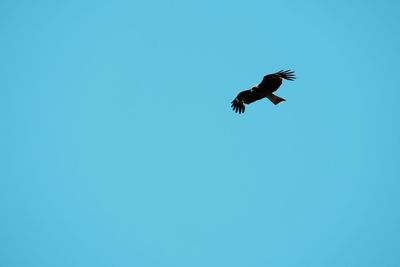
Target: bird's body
265 89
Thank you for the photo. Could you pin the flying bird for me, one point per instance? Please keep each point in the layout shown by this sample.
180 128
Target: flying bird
269 84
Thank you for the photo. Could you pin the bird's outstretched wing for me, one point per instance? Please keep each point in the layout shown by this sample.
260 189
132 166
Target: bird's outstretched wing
278 76
244 97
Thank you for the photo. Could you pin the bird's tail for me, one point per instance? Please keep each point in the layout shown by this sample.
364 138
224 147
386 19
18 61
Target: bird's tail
275 99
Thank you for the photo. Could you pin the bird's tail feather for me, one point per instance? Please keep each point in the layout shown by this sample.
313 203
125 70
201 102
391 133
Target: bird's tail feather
275 99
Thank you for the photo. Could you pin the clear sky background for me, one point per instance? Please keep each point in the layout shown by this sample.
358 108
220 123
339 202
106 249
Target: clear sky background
119 148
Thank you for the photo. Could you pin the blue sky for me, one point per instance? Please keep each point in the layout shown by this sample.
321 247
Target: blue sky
118 146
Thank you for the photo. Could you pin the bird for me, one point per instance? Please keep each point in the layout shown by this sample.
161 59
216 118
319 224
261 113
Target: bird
269 84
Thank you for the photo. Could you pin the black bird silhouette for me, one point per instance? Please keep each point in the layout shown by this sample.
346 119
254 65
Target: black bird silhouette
269 84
